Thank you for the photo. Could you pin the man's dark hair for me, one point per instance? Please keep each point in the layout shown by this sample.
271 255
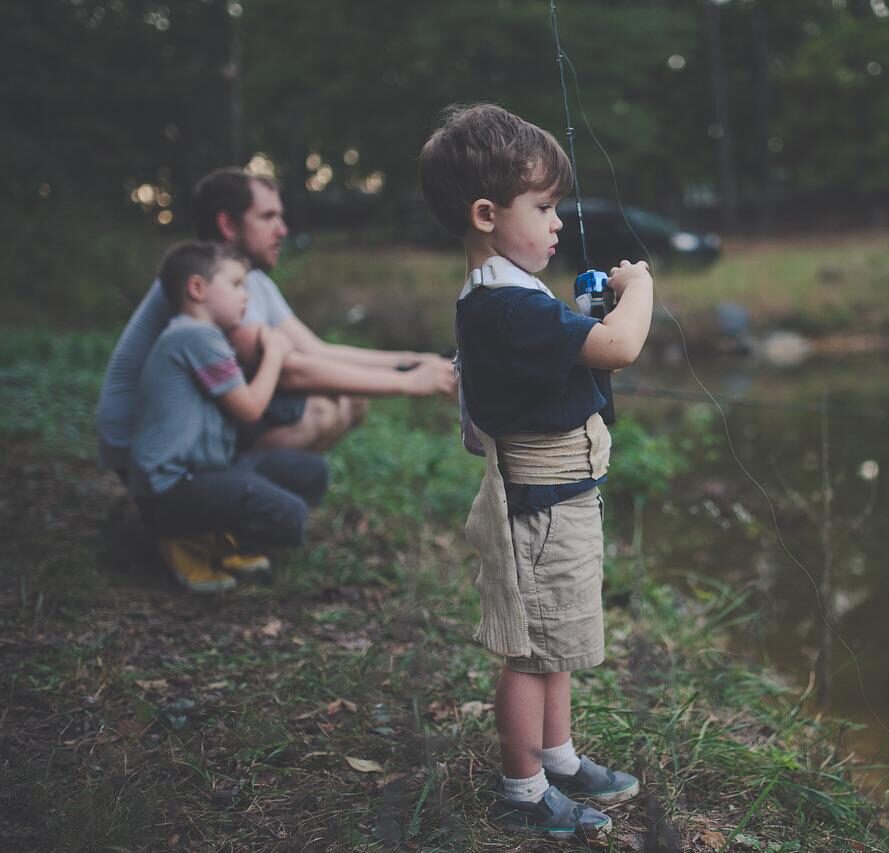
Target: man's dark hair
226 190
187 259
484 151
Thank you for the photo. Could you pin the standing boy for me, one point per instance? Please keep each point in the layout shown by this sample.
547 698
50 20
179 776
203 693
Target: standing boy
524 360
184 472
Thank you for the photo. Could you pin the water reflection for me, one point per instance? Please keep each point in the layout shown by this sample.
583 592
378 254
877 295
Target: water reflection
717 523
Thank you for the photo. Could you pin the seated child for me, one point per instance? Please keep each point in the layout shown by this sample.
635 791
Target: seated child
524 360
184 470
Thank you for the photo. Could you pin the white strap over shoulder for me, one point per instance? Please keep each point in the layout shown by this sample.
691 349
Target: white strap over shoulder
496 272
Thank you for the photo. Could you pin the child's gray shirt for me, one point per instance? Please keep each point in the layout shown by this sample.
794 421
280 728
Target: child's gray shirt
179 426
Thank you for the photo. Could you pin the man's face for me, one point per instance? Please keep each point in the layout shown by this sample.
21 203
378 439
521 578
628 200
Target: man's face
262 228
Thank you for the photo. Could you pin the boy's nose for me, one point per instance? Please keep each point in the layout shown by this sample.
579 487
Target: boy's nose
557 225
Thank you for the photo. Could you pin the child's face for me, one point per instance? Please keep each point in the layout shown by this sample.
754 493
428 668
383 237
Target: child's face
225 297
526 231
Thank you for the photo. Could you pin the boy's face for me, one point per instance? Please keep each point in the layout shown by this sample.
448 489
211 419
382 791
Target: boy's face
225 296
526 231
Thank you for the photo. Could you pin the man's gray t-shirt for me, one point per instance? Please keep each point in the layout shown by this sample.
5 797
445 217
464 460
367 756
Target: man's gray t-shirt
116 416
179 426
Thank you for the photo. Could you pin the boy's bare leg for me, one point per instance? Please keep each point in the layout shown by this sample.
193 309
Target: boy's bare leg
324 422
519 708
557 709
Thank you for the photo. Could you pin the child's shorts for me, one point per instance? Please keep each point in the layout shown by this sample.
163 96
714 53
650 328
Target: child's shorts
559 553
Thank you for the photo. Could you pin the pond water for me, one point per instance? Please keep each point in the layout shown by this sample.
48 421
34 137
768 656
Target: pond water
783 423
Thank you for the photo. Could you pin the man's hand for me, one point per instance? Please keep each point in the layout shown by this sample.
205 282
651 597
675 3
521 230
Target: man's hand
627 274
431 377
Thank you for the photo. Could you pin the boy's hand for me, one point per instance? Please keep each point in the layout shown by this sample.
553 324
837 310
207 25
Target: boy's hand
274 342
620 278
430 377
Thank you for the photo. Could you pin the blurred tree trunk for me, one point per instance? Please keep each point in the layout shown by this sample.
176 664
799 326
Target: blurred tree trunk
762 100
725 161
233 75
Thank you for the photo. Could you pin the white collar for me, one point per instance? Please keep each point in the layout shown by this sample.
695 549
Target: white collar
498 271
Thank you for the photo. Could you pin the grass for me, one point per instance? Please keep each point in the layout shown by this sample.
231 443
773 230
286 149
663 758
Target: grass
342 706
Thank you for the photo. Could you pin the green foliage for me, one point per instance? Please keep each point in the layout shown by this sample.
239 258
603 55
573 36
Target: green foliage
49 385
398 470
643 464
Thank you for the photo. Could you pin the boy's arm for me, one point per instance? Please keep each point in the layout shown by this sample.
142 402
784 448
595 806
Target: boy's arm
617 341
247 402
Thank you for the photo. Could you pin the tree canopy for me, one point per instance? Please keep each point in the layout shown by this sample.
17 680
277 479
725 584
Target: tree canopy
104 97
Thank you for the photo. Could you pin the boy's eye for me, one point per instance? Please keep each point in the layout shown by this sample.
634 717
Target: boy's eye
546 207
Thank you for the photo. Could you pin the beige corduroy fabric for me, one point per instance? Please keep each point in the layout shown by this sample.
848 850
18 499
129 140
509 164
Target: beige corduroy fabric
534 459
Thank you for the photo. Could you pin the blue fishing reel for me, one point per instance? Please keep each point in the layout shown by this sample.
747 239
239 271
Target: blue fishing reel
592 294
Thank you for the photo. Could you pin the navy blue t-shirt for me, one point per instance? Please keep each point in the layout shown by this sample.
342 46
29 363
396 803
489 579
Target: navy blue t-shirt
518 354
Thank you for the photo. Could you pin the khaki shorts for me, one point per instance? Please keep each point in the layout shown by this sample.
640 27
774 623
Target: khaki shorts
559 553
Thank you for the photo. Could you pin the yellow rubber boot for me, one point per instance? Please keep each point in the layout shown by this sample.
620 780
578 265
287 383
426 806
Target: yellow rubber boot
239 563
194 562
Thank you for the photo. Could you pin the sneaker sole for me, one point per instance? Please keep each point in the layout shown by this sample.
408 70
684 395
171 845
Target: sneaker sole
257 569
614 797
206 586
529 829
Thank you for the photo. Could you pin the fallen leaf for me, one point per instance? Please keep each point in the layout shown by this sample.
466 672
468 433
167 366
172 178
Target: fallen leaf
475 708
364 765
351 642
155 684
439 710
713 839
129 728
340 704
272 628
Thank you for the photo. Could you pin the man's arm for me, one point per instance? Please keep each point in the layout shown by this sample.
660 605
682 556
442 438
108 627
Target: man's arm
617 341
246 403
317 371
321 374
306 341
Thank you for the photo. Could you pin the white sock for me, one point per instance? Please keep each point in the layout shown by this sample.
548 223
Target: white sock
561 759
531 789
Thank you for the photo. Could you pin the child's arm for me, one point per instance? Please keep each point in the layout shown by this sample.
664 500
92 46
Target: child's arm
246 403
617 341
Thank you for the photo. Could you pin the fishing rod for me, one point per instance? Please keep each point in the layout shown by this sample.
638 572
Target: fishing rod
591 291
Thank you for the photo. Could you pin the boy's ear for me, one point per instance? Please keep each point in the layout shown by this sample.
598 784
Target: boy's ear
196 288
227 225
481 215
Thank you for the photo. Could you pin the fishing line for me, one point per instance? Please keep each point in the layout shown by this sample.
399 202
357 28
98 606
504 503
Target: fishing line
698 381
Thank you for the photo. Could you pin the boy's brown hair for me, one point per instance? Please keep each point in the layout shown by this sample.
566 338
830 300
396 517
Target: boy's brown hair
484 151
194 258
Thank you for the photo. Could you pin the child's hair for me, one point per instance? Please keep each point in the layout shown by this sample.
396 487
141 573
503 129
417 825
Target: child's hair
194 258
483 151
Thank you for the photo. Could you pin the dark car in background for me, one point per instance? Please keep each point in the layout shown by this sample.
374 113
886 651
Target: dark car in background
610 238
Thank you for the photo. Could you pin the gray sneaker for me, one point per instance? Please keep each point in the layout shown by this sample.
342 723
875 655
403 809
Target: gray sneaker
554 815
601 784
